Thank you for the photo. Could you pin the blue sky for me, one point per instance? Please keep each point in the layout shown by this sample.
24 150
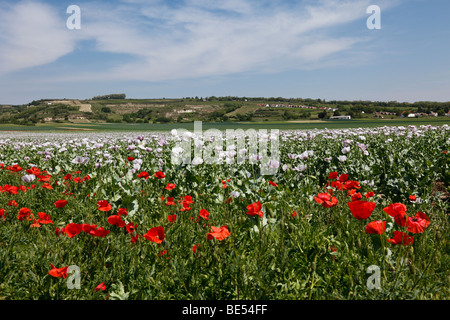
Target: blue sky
254 48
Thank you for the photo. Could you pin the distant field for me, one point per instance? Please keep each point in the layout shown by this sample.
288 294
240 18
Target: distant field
286 125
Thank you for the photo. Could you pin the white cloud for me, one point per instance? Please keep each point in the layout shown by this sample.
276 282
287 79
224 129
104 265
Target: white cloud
32 34
196 38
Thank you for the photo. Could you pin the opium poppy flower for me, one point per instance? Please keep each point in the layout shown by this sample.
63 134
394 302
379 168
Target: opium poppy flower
170 186
58 272
218 233
401 238
116 220
204 214
361 209
418 223
377 227
155 234
160 175
104 205
60 203
255 209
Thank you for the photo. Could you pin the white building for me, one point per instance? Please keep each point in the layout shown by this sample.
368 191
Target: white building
341 117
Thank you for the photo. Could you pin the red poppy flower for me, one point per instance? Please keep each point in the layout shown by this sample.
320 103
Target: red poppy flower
58 272
170 201
160 175
144 174
401 238
218 233
337 185
34 171
326 200
99 232
194 248
294 214
343 178
60 203
170 186
23 213
131 227
68 177
172 218
135 238
356 196
412 198
130 158
162 253
204 214
59 231
122 212
395 209
398 211
3 214
72 229
44 218
255 209
418 223
273 184
333 175
361 209
12 203
369 194
101 286
116 220
155 235
88 227
351 184
377 227
188 200
104 205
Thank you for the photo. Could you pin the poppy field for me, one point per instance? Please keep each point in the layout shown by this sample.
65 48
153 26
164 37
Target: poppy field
358 213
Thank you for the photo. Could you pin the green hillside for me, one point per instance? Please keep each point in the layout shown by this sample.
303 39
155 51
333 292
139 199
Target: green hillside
117 109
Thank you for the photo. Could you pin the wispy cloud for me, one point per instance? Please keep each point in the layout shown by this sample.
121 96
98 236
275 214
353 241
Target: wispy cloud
32 34
194 38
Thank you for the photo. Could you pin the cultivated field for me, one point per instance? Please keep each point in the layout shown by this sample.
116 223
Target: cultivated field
351 213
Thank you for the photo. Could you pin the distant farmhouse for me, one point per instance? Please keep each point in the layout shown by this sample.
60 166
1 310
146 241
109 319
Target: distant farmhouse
341 117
